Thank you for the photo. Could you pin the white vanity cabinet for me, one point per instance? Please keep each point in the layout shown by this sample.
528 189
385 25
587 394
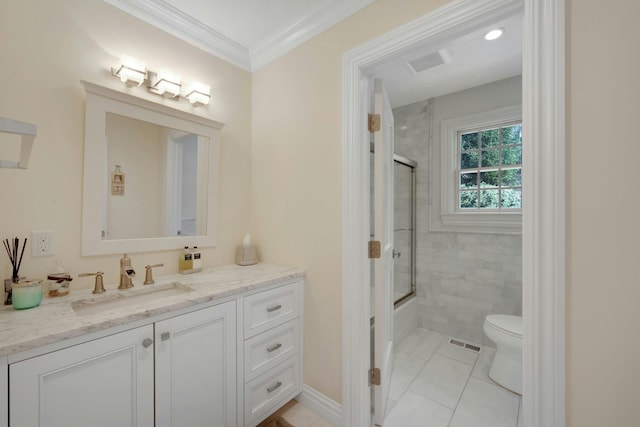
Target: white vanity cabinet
4 392
196 368
225 364
272 350
102 383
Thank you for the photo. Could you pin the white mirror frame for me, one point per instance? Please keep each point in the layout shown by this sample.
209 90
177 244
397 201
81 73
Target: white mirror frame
102 100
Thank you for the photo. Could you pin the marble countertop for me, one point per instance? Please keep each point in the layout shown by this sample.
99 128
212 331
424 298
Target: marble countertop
55 319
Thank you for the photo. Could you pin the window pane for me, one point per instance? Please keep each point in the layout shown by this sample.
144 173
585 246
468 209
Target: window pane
489 179
512 177
512 155
489 198
469 141
512 198
490 138
468 199
468 180
469 160
512 135
489 158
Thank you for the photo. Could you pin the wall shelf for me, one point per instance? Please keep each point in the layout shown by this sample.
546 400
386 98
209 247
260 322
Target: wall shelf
28 132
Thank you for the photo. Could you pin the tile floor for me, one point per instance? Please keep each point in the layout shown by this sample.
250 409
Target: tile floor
436 384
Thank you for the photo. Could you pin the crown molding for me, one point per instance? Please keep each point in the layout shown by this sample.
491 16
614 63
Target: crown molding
307 26
166 17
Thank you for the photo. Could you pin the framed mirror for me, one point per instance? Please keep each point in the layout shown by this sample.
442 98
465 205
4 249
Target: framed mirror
150 175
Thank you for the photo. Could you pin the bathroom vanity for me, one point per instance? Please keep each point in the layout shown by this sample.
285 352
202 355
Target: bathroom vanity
223 345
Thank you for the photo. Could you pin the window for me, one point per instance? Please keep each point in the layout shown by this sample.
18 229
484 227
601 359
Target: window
480 177
490 168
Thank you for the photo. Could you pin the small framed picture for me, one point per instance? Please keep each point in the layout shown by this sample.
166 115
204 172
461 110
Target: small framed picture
117 178
117 189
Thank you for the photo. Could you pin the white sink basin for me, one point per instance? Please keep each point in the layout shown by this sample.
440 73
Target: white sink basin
114 300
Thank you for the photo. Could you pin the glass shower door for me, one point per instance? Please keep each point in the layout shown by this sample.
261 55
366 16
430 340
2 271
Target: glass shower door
404 229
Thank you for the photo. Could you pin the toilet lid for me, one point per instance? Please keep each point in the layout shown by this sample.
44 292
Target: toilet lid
509 324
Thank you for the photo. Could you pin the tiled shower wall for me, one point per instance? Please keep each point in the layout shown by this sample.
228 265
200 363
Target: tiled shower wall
461 277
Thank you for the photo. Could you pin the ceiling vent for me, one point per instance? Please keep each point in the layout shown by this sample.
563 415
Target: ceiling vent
443 56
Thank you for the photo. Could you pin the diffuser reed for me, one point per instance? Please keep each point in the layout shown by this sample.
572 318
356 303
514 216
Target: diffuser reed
12 246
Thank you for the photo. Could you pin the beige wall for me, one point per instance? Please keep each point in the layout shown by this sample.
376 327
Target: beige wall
297 173
46 48
603 172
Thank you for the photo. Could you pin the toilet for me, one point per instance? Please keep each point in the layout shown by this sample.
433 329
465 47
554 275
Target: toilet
506 332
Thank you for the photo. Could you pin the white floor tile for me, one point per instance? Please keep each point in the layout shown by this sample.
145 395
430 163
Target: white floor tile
413 410
486 405
390 405
442 380
405 368
483 364
457 353
421 343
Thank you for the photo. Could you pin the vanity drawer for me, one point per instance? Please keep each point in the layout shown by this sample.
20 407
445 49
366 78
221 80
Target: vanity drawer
267 309
266 350
269 390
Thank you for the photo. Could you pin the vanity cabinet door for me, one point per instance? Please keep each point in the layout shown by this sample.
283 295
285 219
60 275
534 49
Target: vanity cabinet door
102 383
196 368
4 392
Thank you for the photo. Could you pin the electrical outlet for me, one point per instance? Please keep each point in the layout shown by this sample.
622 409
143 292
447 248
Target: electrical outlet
42 243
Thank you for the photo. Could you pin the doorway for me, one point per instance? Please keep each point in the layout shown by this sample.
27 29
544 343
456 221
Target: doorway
543 206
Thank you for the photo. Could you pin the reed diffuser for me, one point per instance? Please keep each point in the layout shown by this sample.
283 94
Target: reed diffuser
12 246
21 293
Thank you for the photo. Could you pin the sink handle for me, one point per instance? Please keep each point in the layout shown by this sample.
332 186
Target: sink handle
99 285
148 276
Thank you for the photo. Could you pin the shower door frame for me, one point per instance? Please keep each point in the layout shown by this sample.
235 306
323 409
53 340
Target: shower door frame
413 165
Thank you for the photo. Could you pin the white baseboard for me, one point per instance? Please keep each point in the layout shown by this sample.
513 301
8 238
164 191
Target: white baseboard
321 405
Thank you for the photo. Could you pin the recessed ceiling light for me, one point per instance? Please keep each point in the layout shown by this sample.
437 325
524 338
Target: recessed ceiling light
494 34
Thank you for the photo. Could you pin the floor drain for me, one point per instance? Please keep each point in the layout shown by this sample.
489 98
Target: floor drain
463 344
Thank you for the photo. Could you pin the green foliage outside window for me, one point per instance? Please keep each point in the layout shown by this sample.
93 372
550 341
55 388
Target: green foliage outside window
491 168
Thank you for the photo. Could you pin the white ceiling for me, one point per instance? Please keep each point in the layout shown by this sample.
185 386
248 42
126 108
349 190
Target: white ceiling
252 33
475 62
247 33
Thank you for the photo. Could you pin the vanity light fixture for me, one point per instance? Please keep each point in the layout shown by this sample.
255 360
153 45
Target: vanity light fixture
198 94
165 83
494 34
131 71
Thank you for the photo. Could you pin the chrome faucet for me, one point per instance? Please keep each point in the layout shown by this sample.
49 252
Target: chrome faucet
126 273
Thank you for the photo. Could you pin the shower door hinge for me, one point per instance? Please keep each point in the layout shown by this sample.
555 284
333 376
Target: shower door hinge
374 122
374 249
374 376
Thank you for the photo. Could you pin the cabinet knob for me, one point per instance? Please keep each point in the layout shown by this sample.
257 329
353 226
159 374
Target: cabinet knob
146 343
273 387
165 336
274 308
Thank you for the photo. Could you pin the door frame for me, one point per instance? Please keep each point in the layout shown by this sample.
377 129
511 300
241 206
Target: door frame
543 212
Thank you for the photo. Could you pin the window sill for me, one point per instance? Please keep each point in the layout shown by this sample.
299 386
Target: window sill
483 222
